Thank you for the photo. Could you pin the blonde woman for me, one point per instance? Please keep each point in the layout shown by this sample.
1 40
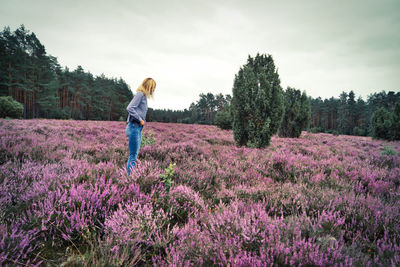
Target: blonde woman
137 110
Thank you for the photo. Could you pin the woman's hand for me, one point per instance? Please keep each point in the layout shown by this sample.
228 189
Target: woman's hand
141 122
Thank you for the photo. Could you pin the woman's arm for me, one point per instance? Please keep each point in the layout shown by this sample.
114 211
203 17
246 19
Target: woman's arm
133 106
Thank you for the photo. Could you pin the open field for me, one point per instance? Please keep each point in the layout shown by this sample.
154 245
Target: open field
318 200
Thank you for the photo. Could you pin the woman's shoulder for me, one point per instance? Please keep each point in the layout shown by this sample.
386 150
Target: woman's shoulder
143 96
139 95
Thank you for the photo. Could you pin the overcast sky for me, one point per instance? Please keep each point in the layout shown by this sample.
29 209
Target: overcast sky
193 47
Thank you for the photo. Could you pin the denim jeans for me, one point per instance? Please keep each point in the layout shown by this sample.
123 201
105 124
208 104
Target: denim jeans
134 133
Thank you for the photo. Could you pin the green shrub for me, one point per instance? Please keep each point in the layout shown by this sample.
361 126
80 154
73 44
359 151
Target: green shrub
388 150
10 108
297 113
385 124
167 178
223 119
359 131
335 132
381 124
185 120
395 125
148 139
315 130
63 114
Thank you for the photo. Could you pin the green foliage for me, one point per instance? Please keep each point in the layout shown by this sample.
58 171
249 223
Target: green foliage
334 132
63 114
343 113
167 177
381 124
359 131
257 102
297 113
315 130
395 125
201 112
389 151
223 119
36 79
10 108
349 116
148 139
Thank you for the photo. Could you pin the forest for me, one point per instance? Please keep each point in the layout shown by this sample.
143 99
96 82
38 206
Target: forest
201 112
47 90
348 115
343 115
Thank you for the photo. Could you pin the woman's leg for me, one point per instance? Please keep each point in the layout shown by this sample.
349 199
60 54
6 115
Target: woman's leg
134 135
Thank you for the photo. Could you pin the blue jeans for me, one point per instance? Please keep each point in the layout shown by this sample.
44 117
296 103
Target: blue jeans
134 133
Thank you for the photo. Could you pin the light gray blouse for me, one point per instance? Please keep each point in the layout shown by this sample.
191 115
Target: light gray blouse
137 108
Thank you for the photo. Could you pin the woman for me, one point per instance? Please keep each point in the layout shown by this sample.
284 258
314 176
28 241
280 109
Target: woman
137 110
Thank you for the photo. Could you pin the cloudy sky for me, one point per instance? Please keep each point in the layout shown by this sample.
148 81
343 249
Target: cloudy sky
192 47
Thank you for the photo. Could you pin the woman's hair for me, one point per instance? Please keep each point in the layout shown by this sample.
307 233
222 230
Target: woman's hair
147 87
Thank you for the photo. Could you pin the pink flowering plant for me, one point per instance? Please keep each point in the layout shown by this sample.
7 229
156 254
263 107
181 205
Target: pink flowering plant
194 199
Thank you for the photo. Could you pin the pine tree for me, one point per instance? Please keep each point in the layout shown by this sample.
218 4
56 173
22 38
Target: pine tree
257 102
238 112
351 106
223 119
381 124
343 114
360 127
297 113
395 123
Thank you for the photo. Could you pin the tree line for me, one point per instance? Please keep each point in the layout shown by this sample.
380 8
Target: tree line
46 90
203 111
348 115
260 108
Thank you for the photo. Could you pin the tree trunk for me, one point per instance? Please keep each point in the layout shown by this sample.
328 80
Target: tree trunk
25 111
9 78
109 115
34 104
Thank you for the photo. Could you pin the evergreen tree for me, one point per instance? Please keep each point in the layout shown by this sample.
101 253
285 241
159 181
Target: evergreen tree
257 102
351 106
381 124
220 101
211 107
238 109
4 61
343 114
360 127
297 113
395 123
223 119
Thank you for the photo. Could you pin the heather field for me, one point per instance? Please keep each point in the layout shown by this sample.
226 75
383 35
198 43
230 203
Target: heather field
319 200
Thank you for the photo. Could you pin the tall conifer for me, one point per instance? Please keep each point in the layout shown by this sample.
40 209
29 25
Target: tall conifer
297 113
257 102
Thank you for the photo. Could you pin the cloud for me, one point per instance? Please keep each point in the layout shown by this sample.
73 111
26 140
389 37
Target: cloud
192 47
